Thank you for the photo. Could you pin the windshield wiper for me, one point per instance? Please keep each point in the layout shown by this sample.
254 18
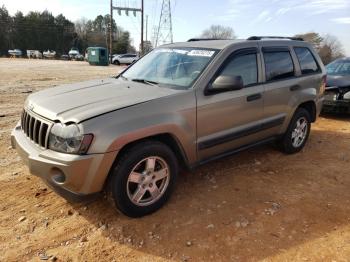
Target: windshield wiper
122 77
148 82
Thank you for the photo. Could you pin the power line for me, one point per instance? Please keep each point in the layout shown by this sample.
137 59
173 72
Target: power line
125 7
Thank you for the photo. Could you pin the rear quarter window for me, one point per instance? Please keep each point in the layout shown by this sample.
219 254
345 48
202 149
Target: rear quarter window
308 64
278 65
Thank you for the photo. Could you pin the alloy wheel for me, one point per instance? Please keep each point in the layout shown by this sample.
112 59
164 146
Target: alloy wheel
148 181
300 132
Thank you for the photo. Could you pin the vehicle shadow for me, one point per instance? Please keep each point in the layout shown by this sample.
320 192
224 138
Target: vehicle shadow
256 205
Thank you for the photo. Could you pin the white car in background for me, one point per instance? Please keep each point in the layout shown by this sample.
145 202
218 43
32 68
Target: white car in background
34 54
15 52
125 59
74 53
49 54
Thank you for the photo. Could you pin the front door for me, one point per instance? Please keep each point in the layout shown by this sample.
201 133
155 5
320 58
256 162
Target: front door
232 119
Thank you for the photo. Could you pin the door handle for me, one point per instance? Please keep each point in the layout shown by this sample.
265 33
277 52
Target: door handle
294 88
253 97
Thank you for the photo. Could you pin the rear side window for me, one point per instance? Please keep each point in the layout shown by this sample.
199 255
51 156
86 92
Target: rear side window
307 61
278 65
244 66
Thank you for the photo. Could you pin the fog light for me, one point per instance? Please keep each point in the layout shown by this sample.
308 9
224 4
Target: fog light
58 176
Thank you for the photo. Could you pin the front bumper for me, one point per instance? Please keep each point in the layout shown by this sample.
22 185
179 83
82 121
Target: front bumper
332 105
84 175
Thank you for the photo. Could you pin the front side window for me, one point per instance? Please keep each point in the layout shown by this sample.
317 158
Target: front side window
307 62
168 67
278 65
244 66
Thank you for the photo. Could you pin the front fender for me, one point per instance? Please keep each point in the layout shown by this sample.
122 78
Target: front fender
174 115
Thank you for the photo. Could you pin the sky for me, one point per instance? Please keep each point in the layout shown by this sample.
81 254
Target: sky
191 17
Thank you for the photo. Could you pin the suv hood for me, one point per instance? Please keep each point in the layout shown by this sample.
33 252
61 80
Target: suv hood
338 81
80 101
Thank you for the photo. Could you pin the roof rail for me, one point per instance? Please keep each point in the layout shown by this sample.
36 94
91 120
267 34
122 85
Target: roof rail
203 39
275 37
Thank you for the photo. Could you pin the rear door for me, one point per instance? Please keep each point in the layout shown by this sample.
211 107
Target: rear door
132 58
280 84
121 59
231 119
124 59
129 59
310 72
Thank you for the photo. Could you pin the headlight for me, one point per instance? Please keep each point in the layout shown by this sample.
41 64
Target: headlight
69 139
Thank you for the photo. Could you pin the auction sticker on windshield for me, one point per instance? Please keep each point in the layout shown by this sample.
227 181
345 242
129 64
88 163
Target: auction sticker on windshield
196 52
206 53
167 50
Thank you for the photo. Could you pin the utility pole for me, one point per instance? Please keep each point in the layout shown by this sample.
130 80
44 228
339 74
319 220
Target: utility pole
127 10
146 27
142 11
111 34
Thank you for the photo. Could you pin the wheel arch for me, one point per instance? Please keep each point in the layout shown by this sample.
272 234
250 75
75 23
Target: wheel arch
309 106
166 138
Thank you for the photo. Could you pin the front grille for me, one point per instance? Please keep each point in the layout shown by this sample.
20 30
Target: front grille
36 129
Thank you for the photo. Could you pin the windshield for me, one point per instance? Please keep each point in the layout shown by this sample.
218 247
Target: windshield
339 68
168 67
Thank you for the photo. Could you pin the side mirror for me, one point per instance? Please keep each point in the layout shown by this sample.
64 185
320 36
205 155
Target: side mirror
225 83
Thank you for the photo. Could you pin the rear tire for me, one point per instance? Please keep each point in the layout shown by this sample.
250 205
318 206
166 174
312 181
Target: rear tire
297 133
144 178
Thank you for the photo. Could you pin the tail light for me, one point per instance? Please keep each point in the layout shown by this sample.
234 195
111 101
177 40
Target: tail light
323 84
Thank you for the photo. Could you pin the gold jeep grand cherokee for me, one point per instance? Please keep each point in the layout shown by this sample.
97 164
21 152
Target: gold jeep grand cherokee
182 104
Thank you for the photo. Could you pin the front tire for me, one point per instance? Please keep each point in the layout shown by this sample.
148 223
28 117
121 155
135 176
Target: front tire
297 133
144 178
116 62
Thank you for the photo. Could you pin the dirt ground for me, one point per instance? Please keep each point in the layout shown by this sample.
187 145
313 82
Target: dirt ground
260 205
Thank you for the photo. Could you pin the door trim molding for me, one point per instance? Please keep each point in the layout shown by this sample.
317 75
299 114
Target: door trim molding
237 150
240 133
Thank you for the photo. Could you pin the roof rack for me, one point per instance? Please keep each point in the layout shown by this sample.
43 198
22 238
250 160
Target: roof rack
275 37
203 39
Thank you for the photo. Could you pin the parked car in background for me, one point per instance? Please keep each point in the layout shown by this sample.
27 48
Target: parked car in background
73 53
337 96
49 54
34 54
125 59
15 53
181 105
65 57
79 57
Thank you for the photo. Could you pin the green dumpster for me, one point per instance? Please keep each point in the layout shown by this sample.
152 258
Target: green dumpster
98 56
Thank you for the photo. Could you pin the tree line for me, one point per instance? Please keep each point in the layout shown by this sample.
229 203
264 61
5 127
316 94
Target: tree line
42 31
328 46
